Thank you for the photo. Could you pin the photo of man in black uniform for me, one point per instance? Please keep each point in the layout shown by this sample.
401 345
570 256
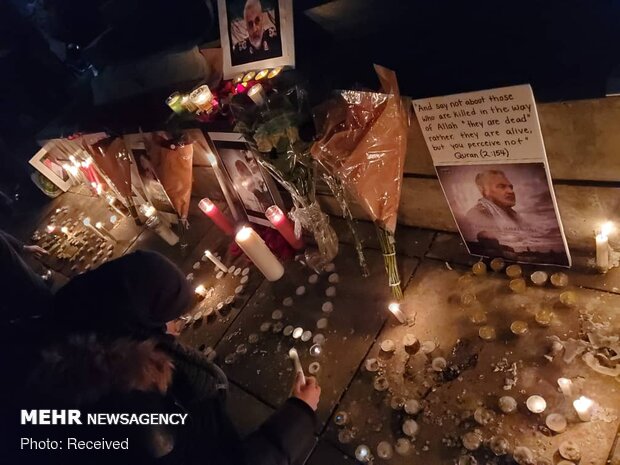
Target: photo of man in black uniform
262 35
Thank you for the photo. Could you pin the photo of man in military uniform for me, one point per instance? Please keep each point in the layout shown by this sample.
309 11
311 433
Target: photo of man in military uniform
256 36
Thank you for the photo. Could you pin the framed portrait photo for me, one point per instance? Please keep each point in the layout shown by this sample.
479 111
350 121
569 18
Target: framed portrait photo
256 34
50 162
251 184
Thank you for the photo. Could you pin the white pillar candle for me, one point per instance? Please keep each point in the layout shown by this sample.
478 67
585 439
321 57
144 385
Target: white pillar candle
565 386
398 313
257 94
294 356
583 407
216 261
602 247
256 250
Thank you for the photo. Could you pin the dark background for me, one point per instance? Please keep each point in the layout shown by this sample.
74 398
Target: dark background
565 49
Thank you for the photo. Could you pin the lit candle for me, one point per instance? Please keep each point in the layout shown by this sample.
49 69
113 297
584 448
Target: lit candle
583 406
294 356
536 404
72 172
602 247
175 102
86 222
362 453
211 210
201 97
216 261
249 76
284 226
261 75
256 250
394 307
153 222
201 291
187 103
64 230
50 228
257 94
566 386
274 72
100 227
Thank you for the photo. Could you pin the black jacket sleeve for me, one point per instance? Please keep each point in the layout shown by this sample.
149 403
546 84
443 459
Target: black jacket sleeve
284 438
13 241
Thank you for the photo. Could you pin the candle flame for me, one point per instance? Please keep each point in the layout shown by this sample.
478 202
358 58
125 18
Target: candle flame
244 233
200 289
50 228
583 404
86 221
607 228
274 214
99 225
394 307
64 230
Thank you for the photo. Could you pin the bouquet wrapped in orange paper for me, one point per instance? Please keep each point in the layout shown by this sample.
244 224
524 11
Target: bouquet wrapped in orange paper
173 163
112 158
362 143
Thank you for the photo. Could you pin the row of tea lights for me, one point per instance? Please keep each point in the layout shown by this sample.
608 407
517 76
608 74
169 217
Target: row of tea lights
201 99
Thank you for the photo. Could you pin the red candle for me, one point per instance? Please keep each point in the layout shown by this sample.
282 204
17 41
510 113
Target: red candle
284 226
211 210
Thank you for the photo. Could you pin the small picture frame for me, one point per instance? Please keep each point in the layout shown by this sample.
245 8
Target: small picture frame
256 34
49 162
236 165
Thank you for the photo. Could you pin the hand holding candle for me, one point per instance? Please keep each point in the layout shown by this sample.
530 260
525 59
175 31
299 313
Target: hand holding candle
256 250
211 210
294 356
279 220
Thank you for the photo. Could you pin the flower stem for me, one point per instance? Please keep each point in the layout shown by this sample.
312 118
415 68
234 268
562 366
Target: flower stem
387 241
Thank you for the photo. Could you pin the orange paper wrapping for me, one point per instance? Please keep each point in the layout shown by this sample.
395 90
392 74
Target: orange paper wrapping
364 143
175 173
111 157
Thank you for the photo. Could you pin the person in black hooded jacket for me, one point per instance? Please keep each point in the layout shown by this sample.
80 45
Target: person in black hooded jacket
110 352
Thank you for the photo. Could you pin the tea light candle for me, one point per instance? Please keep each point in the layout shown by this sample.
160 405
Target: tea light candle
517 285
559 279
479 268
544 317
497 264
403 446
410 427
294 356
362 453
583 406
487 333
602 247
211 210
556 422
568 298
411 343
536 404
261 75
283 225
514 271
439 364
216 261
315 350
394 307
507 404
256 250
566 386
539 278
201 291
388 346
519 328
274 72
385 450
412 407
478 317
202 97
381 383
257 94
86 222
